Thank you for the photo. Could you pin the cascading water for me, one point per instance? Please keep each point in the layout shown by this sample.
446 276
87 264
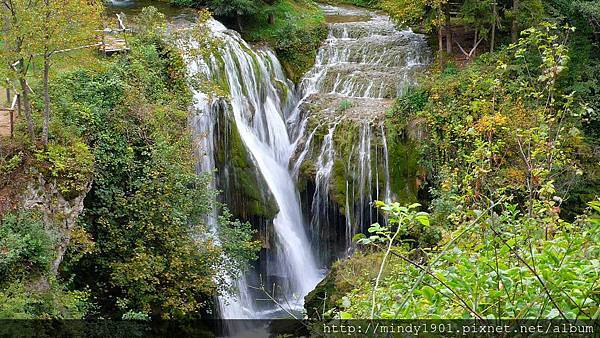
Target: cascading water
364 63
320 200
259 96
360 68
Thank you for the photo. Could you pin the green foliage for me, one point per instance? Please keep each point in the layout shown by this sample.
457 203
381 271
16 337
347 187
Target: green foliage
9 164
499 266
345 104
372 4
481 119
528 14
27 290
71 166
233 8
414 100
402 218
296 33
419 12
147 208
25 248
150 23
53 301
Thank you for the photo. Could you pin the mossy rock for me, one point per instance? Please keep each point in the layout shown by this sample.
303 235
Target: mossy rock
241 182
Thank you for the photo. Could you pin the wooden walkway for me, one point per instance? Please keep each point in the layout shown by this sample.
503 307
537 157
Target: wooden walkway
110 41
4 122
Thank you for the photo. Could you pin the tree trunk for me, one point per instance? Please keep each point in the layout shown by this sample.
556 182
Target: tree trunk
271 18
515 27
27 106
440 46
448 29
46 100
440 37
494 19
238 19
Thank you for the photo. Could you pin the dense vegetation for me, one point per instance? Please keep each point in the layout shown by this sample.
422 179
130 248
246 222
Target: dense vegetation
102 214
512 168
142 246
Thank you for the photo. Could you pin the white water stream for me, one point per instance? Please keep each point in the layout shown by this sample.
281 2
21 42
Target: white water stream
254 79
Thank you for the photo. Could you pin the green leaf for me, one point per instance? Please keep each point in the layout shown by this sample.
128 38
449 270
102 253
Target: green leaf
428 292
345 315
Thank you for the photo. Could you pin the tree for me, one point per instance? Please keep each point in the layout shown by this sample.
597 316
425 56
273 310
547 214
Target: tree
64 25
233 8
18 36
481 16
43 28
416 12
524 14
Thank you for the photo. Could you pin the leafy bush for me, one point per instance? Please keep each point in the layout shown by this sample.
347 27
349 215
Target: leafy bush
71 166
25 247
498 266
373 4
19 301
296 33
147 208
414 100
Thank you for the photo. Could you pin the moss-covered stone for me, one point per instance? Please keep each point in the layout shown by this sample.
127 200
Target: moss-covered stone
345 275
354 185
242 185
403 155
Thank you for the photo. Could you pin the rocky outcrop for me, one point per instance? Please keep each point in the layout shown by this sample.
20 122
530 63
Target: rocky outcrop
59 214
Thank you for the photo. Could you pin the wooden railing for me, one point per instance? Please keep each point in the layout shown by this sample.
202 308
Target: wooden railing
109 44
14 106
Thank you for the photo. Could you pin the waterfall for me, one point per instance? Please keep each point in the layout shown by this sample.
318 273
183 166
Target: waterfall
320 200
364 63
364 176
360 67
259 97
367 59
388 190
307 144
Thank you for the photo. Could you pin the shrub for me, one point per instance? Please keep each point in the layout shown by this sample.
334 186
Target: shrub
71 166
345 104
25 248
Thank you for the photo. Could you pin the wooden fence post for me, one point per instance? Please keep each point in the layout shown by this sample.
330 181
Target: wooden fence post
18 105
12 123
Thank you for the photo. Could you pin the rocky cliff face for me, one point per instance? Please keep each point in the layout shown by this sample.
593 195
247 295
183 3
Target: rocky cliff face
59 213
